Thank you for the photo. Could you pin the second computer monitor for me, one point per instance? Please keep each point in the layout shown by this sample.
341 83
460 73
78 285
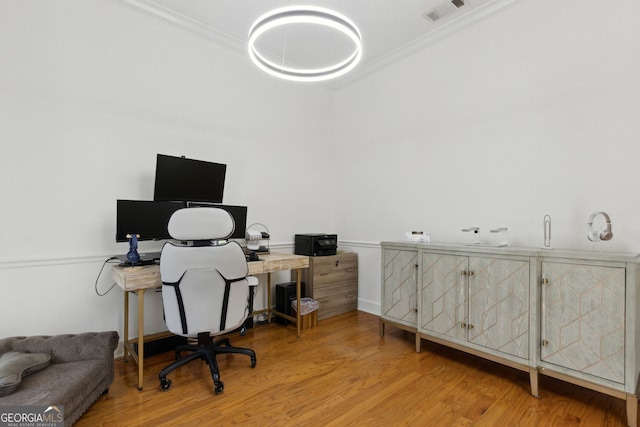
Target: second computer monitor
238 213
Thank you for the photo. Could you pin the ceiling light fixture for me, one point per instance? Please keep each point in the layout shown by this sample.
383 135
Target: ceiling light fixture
305 15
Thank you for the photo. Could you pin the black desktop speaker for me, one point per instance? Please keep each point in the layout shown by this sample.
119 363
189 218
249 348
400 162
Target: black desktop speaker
285 293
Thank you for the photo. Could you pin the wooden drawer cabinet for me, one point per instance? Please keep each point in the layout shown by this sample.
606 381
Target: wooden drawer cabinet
333 282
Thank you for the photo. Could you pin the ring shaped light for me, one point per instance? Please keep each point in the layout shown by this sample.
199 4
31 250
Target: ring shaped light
304 15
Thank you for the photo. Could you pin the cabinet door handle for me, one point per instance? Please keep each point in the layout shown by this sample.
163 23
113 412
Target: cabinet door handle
463 325
470 326
471 273
463 272
543 312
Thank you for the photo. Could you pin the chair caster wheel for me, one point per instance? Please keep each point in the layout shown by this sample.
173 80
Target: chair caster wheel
165 384
219 388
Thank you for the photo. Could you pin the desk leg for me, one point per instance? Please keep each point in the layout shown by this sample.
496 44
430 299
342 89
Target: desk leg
298 324
126 324
268 297
140 337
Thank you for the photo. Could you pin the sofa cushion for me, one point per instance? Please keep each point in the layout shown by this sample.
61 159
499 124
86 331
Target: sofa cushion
62 384
15 365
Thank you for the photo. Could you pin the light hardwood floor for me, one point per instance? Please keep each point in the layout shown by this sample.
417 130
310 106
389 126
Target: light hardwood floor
342 373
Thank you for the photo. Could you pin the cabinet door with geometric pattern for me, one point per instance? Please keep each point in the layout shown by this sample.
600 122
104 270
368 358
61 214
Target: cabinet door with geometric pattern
583 318
400 286
499 304
444 295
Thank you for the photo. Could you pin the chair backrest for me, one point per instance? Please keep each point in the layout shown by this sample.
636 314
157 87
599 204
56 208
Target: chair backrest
204 286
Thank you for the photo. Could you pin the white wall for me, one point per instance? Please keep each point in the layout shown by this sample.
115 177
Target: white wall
531 111
91 91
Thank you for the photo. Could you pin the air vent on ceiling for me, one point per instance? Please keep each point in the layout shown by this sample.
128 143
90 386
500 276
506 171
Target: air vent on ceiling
442 10
432 16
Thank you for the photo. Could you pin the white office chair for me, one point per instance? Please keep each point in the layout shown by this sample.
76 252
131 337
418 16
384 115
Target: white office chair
205 288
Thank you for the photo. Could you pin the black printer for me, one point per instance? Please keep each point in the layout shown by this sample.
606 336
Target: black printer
316 244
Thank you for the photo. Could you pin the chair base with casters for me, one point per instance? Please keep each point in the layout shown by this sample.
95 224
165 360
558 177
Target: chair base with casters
206 349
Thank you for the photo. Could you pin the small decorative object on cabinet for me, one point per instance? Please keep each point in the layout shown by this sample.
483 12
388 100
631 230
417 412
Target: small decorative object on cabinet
333 282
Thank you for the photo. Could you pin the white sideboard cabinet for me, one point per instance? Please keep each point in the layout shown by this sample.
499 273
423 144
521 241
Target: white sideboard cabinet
583 318
571 315
400 290
479 300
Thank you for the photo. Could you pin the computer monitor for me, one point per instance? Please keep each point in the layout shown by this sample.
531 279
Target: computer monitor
149 219
188 180
239 214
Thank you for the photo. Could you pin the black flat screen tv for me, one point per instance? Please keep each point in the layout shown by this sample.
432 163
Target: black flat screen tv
149 219
188 180
238 213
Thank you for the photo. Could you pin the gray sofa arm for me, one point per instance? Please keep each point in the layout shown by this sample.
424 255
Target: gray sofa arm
67 347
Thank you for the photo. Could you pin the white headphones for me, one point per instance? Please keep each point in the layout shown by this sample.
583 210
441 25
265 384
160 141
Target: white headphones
596 235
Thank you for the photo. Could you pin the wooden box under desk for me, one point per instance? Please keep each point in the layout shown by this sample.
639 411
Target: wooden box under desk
136 278
333 282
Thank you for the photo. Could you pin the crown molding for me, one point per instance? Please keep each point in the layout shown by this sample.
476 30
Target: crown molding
441 32
188 23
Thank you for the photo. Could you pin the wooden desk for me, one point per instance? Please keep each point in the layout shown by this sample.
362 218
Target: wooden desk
141 279
278 262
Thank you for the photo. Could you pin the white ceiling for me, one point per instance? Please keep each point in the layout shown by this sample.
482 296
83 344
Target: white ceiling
390 29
